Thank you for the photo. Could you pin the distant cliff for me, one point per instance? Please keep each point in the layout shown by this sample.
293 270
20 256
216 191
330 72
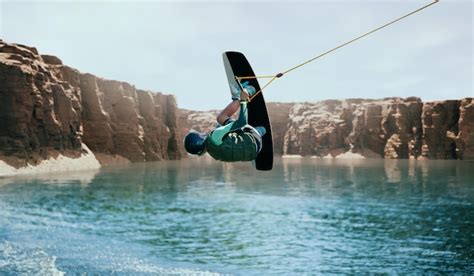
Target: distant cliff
387 128
47 108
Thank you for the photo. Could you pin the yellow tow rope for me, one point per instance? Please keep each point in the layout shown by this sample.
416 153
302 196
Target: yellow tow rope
279 75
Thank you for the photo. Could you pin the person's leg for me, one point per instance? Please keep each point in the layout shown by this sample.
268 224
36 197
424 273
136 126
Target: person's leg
243 117
228 111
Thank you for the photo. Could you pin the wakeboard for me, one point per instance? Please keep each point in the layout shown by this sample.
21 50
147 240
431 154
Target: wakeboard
236 65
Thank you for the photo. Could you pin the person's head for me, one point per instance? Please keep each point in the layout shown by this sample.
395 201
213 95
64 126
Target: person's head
194 142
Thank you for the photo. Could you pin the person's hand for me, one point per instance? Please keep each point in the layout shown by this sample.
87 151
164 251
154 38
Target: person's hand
248 88
244 96
238 94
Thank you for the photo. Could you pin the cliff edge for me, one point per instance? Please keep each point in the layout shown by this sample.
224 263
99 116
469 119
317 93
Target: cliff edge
48 109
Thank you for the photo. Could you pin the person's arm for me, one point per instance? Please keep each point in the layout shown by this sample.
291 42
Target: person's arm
228 111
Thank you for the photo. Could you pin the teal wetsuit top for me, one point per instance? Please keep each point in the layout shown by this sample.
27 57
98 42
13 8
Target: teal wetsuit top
235 141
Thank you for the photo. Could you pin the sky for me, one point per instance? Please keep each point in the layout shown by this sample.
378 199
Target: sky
176 47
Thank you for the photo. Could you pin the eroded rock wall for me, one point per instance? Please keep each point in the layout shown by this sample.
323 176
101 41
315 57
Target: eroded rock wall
40 114
48 108
465 138
279 114
395 128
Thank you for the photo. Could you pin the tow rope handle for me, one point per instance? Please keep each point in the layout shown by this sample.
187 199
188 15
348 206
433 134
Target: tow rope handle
279 75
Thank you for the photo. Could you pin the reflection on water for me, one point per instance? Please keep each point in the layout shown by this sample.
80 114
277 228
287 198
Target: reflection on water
199 216
82 178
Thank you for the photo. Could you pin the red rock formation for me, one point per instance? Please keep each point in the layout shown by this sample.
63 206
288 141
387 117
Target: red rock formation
161 135
315 128
94 116
440 119
120 105
47 107
465 137
40 114
171 115
279 112
387 128
202 121
402 127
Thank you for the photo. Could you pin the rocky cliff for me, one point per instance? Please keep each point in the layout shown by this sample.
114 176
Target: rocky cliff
387 128
47 108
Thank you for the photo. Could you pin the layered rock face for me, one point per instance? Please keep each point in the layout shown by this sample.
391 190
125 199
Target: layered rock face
394 128
48 108
202 121
389 128
465 138
279 115
39 114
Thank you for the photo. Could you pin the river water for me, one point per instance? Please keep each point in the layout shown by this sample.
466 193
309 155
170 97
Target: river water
201 217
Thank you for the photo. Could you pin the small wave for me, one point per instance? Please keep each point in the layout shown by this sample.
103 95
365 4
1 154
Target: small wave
17 260
21 260
134 266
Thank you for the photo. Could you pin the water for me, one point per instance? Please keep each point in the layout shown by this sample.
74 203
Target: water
201 217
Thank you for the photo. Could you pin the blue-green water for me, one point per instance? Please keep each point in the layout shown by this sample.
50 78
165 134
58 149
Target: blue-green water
198 216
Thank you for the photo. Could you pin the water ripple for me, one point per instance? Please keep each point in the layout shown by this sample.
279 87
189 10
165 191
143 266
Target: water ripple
304 217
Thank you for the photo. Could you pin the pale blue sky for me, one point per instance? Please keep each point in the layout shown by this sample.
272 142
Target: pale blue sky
176 46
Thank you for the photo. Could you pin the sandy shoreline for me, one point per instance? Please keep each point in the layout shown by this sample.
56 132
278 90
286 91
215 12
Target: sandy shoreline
87 161
346 155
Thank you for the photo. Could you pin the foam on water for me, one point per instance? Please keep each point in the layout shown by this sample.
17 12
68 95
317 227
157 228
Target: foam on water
21 259
16 259
24 248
